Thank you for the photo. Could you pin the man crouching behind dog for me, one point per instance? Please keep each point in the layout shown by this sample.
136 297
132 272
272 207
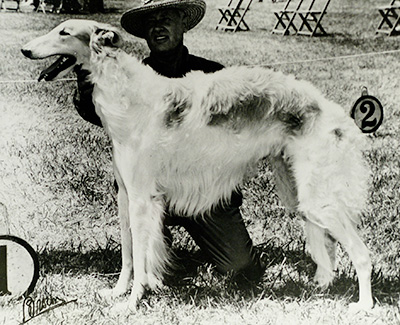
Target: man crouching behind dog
221 233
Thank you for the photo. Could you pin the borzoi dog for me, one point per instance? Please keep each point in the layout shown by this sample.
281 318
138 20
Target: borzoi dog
187 144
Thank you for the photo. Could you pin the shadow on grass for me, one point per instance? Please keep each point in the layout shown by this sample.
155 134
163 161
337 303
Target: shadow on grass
73 260
288 275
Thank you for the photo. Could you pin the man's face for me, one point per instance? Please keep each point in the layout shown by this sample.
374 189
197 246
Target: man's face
165 29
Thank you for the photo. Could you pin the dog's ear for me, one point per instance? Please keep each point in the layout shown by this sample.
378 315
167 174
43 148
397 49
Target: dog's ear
108 35
105 38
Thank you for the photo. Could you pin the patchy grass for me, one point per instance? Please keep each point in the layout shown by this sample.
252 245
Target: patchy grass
56 183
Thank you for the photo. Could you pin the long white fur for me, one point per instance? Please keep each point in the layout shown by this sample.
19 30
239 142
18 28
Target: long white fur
193 157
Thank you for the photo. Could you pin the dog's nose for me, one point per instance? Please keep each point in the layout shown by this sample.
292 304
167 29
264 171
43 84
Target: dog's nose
27 53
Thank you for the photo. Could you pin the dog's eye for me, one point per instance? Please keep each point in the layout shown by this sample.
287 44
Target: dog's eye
64 33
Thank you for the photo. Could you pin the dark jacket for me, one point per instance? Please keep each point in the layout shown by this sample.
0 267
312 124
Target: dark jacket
176 65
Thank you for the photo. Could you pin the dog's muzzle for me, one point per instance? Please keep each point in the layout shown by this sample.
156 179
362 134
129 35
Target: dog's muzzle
50 73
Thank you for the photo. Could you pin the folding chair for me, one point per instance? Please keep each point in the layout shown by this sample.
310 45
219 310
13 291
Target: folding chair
51 6
285 18
4 5
311 19
390 18
41 6
232 16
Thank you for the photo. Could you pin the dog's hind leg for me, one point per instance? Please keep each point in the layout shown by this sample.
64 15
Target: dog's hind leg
359 255
331 246
342 229
320 247
285 182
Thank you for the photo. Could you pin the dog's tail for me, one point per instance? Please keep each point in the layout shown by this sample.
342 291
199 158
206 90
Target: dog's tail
329 165
298 106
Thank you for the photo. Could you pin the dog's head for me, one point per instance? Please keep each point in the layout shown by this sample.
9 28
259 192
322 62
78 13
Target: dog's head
71 42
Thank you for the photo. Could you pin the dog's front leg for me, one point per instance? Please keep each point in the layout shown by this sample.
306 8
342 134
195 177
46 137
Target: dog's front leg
145 210
149 249
125 276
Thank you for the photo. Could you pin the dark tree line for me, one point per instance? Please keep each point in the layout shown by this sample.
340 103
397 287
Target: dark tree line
72 6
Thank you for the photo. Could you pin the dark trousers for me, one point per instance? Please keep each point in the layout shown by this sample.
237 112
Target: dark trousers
222 235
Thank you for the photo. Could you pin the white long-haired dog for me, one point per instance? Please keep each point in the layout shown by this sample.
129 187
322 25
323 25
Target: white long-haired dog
187 143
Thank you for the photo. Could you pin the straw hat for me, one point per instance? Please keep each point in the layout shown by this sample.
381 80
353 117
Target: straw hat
132 20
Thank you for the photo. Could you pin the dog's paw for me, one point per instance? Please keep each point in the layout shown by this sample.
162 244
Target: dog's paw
154 282
112 293
361 306
123 308
136 294
131 305
323 278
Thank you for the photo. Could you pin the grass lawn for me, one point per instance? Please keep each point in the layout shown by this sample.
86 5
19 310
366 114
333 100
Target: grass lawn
56 182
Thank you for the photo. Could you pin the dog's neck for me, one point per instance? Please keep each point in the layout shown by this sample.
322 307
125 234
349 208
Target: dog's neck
115 72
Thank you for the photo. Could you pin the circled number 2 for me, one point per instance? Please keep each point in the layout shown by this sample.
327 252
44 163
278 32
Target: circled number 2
368 108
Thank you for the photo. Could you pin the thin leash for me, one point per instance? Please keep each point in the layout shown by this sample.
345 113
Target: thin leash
34 80
332 58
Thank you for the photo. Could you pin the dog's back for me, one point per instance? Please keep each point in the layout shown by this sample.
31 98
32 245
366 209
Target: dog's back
204 130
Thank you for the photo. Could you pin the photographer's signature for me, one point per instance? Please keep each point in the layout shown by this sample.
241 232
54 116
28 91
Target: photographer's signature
32 308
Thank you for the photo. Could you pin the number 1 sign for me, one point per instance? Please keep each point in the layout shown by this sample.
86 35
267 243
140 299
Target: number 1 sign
19 266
